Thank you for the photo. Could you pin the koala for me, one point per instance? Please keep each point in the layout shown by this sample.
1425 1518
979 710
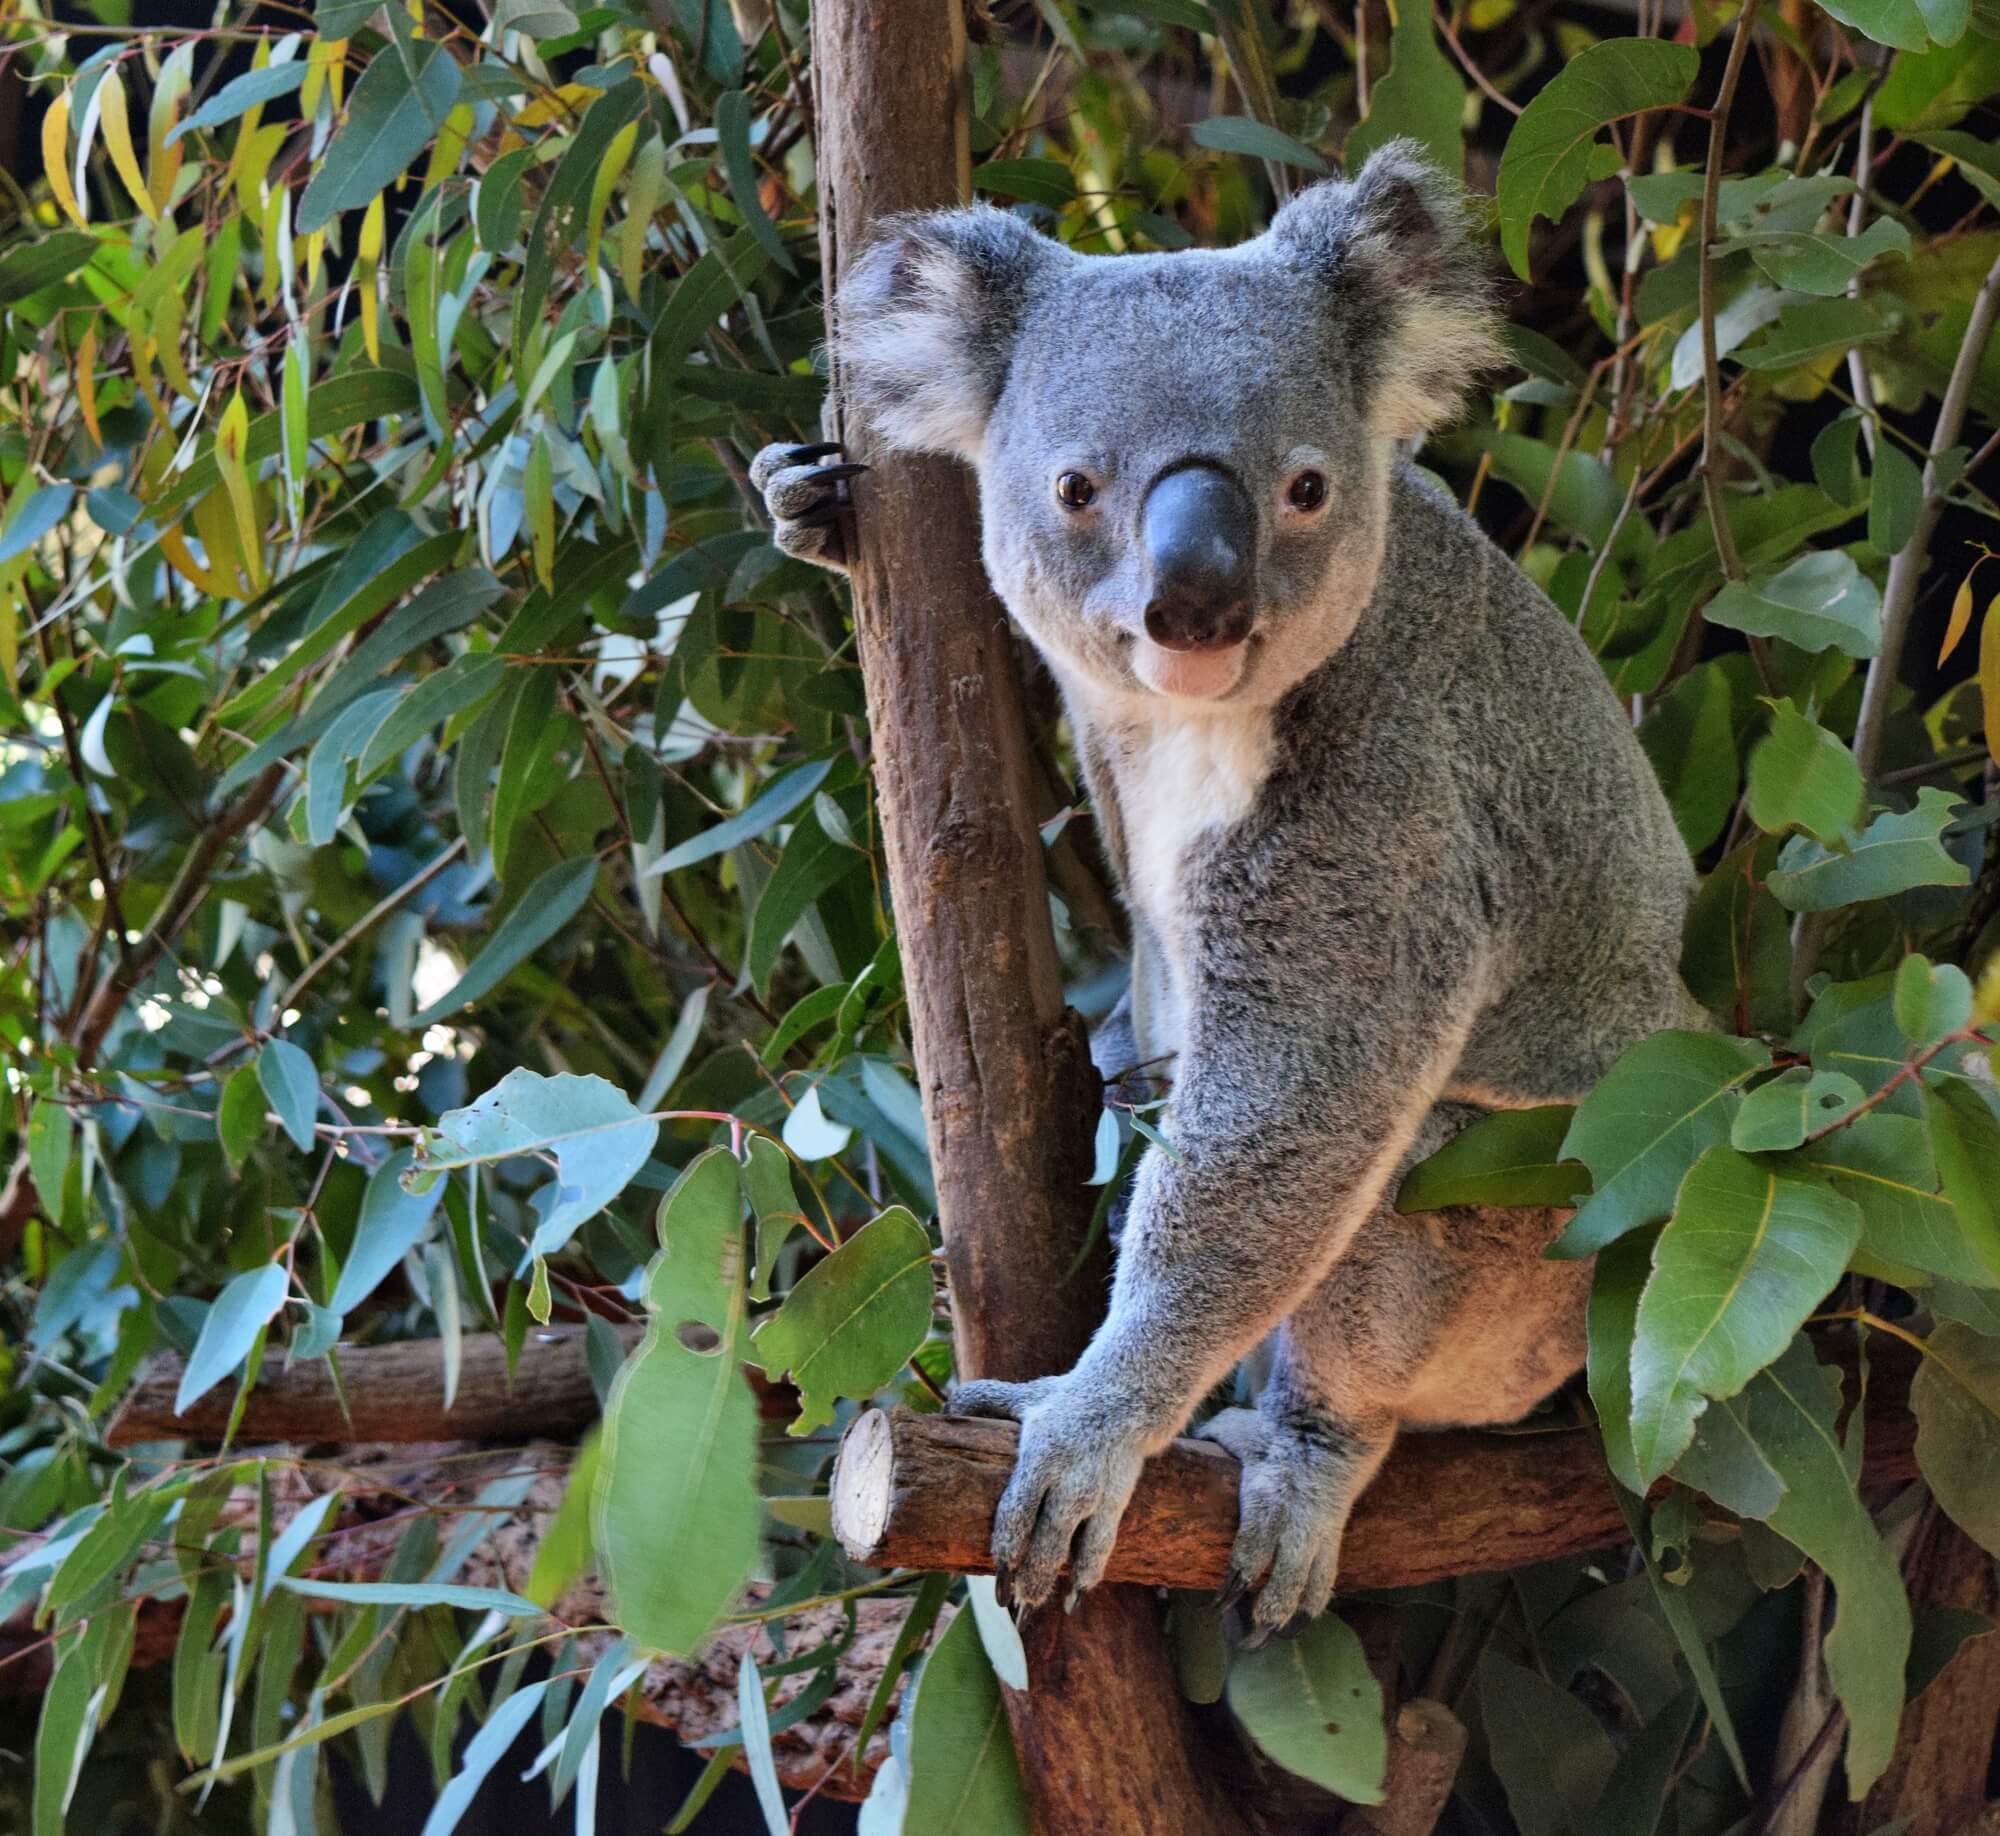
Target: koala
1392 854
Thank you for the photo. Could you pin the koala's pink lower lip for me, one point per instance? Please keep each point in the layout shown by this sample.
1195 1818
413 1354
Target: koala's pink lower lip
1193 675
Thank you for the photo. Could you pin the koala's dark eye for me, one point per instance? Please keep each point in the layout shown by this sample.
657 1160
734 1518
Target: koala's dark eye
1074 491
1307 491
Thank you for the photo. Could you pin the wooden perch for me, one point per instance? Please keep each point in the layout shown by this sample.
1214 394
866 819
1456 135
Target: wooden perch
919 1491
391 1392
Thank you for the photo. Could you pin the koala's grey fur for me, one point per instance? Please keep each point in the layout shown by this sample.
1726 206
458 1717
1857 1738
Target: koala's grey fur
1408 864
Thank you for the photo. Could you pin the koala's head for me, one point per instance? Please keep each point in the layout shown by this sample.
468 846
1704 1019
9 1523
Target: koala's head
1183 459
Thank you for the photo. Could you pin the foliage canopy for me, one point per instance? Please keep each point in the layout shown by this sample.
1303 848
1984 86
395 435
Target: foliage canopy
442 891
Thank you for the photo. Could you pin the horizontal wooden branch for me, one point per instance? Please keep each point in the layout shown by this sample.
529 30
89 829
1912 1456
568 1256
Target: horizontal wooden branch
919 1491
392 1392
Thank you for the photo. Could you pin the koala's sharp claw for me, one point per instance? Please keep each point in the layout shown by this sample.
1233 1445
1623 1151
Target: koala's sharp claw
1233 1590
1255 1636
1003 1584
805 455
833 474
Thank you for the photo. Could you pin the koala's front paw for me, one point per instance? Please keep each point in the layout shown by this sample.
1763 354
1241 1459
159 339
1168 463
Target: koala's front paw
804 499
1079 1460
1296 1495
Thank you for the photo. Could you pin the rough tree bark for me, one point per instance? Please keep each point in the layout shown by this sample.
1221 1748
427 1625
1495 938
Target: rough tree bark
1008 1090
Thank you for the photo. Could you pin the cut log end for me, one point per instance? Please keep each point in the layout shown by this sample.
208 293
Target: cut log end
861 1480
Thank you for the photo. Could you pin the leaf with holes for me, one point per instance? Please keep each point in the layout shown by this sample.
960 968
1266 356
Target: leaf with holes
598 1140
1898 850
1553 151
855 1318
675 1507
1314 1706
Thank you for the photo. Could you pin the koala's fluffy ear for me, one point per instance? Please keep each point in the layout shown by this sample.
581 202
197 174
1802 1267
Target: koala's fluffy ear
928 319
1395 243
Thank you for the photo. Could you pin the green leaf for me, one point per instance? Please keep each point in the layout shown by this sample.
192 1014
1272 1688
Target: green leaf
239 1116
765 811
964 1779
48 1152
393 1221
291 1081
1511 1157
676 1508
1551 1755
1314 1706
1584 496
1254 140
30 516
598 1139
63 1735
1932 1001
732 134
1783 1112
414 1594
1616 1284
241 94
1037 181
239 1313
1978 160
1422 98
1651 1117
542 910
1956 1400
1805 262
1746 1256
28 267
563 1554
1895 496
1810 329
754 1724
1552 153
395 109
1901 23
813 863
1884 1164
1898 850
774 1206
1802 777
854 1319
483 1752
1821 601
1788 1414
1965 1135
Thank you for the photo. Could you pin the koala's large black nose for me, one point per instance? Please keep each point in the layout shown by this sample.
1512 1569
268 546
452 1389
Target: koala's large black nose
1200 532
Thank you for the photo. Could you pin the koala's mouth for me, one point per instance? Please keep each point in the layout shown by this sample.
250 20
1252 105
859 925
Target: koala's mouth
1193 675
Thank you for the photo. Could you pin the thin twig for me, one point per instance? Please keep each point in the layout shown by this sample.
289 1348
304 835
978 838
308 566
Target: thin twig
1711 367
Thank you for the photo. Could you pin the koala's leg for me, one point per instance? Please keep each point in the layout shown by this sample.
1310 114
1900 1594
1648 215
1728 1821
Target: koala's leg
1451 1317
1326 1416
804 499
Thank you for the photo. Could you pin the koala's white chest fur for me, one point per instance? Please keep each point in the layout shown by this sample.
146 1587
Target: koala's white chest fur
1179 778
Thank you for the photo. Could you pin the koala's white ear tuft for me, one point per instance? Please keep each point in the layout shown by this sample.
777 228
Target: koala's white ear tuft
928 316
1397 244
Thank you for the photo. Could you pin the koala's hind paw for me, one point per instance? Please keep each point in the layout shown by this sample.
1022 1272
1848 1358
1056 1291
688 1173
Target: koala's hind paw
804 499
1079 1460
1296 1494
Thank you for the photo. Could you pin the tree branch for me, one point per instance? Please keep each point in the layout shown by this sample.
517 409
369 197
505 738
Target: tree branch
913 1491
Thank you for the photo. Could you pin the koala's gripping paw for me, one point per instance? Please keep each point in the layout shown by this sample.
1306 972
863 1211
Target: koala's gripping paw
1295 1499
804 499
1079 1460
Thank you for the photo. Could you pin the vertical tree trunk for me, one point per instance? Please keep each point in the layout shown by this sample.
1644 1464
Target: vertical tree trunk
1009 1093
